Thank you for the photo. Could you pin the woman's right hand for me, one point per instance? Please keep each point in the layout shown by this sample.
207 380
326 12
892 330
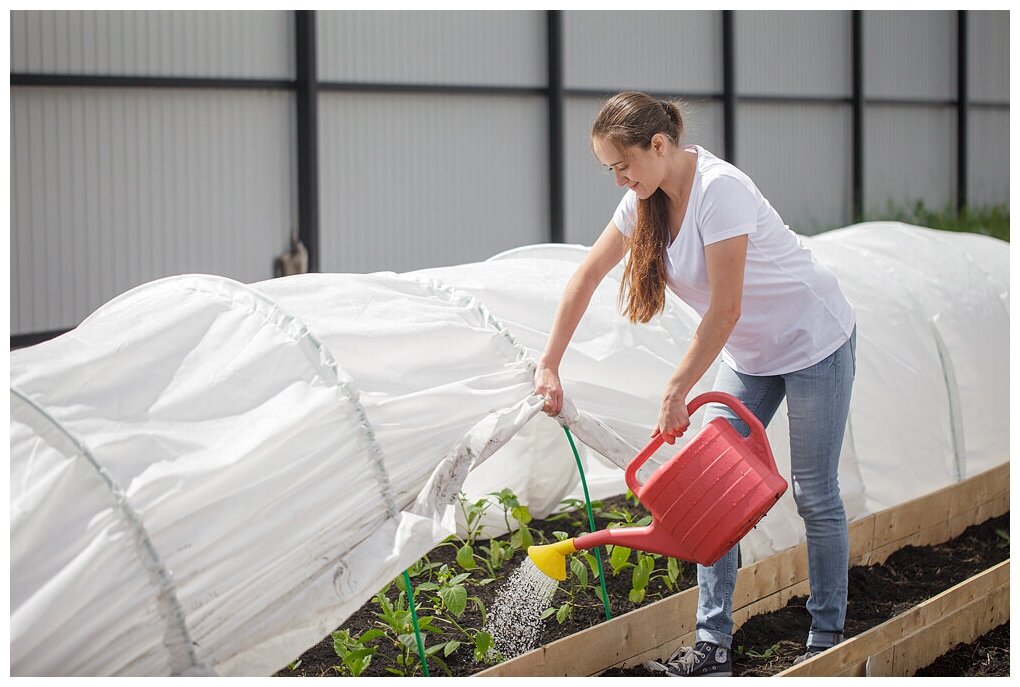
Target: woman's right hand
547 384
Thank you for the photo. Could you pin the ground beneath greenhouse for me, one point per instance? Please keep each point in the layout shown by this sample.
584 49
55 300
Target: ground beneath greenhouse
765 644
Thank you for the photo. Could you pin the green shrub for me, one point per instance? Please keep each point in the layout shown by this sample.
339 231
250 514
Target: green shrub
989 221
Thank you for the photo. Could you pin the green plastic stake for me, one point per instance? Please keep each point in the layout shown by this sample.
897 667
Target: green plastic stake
591 522
414 621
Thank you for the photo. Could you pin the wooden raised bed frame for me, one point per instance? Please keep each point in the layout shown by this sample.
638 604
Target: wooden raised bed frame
915 638
657 629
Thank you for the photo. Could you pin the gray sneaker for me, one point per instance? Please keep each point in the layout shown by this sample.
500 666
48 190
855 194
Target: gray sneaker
811 651
704 659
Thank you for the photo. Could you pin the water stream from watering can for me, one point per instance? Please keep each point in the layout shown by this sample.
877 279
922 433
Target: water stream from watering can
515 616
514 620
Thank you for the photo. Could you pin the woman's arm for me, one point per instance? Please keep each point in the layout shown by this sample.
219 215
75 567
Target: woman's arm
725 263
607 252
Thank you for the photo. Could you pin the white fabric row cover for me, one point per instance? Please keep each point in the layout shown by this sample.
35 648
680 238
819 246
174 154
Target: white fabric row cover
208 477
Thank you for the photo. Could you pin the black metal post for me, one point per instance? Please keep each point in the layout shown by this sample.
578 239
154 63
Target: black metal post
307 135
556 109
961 110
729 89
857 114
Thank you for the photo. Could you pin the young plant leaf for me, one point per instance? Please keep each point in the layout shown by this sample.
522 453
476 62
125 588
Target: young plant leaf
483 642
521 514
578 570
466 557
642 572
454 598
673 570
618 558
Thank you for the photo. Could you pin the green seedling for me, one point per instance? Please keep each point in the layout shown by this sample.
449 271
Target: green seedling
444 597
1003 542
759 655
354 653
640 577
522 538
573 513
394 619
670 575
473 514
624 518
580 580
484 652
619 558
497 554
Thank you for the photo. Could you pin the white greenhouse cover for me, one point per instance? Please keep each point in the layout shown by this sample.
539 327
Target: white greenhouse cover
209 477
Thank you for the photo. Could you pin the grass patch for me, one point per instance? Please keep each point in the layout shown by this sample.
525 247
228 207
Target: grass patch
989 221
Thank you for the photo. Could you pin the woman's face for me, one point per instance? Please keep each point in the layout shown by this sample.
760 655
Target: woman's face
634 167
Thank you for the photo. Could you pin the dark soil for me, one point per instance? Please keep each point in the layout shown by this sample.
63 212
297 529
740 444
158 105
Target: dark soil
764 645
588 606
986 657
769 643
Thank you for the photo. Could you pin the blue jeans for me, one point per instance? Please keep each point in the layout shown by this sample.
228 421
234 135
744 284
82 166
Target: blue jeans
818 400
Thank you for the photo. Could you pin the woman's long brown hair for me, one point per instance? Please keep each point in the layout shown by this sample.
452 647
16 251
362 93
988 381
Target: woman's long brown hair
631 119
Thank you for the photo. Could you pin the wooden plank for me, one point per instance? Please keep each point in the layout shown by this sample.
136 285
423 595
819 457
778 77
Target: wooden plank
655 630
900 522
984 590
936 534
981 512
770 575
895 524
862 539
659 652
979 489
772 602
880 664
994 507
860 669
879 555
958 626
940 532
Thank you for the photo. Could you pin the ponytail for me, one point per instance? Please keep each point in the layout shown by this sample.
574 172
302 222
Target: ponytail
643 288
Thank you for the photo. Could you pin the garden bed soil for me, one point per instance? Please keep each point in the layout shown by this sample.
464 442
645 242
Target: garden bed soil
768 644
987 656
764 645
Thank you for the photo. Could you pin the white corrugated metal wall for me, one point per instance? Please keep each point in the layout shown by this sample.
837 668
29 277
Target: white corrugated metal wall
988 127
433 133
113 187
798 152
422 179
904 137
157 43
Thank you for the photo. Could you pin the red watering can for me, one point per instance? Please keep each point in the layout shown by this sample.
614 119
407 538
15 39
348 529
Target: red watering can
703 500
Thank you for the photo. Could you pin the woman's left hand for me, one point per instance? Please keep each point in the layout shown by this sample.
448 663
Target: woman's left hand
673 417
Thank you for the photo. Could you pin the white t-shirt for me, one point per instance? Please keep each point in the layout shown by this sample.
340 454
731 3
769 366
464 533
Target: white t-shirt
793 313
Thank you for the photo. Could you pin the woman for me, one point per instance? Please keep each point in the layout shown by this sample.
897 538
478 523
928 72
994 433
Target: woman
698 225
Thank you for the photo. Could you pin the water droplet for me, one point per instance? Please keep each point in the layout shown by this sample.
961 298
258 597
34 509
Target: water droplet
514 615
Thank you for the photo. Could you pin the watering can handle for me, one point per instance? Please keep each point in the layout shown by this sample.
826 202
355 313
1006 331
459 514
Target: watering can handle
757 433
